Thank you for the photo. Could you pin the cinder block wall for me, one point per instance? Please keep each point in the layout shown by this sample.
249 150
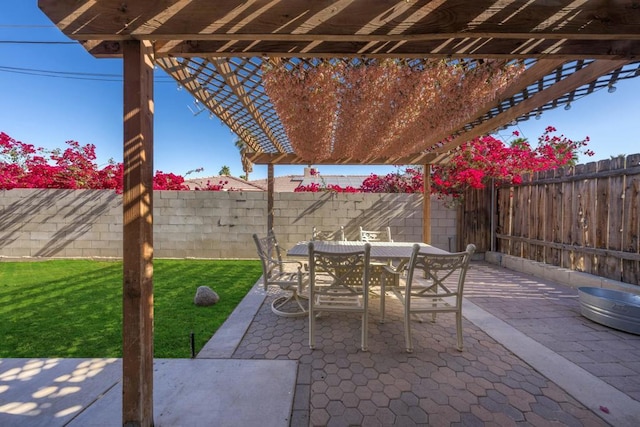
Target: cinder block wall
201 224
296 214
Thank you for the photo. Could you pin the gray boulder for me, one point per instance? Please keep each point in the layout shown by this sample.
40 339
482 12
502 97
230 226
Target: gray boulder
205 296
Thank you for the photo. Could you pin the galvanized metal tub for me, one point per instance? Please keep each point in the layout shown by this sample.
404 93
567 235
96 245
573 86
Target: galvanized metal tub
616 309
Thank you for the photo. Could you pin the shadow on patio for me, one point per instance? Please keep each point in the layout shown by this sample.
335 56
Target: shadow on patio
530 358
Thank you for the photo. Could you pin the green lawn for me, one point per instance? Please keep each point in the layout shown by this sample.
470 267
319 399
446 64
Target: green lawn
73 308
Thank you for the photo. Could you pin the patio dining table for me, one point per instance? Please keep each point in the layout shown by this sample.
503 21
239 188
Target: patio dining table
380 251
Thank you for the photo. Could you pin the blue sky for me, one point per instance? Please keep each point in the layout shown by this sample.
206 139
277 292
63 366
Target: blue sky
47 111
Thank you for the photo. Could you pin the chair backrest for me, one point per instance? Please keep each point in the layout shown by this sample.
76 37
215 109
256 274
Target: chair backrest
343 274
336 235
383 235
445 273
270 256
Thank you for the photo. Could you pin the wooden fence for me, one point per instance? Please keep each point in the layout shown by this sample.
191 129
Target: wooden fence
585 218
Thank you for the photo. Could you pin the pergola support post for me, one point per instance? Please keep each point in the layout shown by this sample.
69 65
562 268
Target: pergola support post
270 185
137 325
426 204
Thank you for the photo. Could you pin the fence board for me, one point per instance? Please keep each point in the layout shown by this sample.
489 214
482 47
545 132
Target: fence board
556 212
611 266
569 209
579 220
601 213
504 224
513 206
527 219
531 222
474 218
540 220
591 220
631 224
519 210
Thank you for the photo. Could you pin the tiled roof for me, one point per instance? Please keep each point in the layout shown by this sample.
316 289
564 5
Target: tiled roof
281 184
289 183
343 181
231 183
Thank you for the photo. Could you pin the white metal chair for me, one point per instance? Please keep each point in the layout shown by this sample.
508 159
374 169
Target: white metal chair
334 235
390 275
274 272
438 290
339 282
383 235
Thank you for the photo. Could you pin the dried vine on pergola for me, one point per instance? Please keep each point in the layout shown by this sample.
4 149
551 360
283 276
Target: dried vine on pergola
365 110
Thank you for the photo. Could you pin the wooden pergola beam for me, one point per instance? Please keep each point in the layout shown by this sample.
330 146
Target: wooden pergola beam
519 46
270 191
294 159
426 203
137 203
196 49
366 38
575 80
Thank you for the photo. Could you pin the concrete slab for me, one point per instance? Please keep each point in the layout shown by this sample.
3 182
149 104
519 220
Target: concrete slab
187 392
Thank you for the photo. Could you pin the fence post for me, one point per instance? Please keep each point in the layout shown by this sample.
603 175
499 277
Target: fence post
492 232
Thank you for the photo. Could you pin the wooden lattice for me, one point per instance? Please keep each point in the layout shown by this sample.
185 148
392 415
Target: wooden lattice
238 98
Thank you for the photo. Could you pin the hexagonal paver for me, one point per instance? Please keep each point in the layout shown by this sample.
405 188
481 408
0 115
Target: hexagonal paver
435 385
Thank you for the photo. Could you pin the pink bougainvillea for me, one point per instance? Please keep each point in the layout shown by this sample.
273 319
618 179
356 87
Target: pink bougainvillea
25 166
475 164
472 165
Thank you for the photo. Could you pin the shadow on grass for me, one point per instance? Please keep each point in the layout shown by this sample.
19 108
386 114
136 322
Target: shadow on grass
74 308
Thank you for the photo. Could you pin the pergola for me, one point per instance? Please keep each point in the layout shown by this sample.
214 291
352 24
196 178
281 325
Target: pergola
216 50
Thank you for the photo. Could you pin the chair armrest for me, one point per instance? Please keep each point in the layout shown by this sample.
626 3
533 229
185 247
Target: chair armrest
276 262
298 263
396 269
391 270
